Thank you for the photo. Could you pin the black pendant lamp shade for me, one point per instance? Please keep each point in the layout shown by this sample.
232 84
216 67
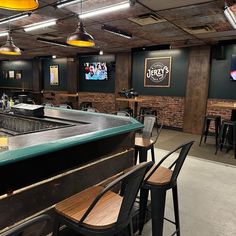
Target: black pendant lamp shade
9 48
80 37
19 5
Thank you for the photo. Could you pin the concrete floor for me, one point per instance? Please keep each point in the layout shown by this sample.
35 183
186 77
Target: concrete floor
207 191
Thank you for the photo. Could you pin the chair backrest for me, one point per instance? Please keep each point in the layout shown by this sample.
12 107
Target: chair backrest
150 123
85 105
122 113
176 164
91 109
32 227
130 183
65 106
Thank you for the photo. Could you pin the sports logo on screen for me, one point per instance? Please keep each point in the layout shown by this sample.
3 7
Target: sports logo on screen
157 72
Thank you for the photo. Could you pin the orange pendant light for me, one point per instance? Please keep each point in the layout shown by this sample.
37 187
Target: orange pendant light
10 48
19 5
81 38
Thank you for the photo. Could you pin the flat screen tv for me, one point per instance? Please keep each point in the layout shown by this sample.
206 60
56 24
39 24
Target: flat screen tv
233 68
95 71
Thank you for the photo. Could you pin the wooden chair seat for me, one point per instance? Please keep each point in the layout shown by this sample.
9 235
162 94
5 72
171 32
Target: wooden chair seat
104 214
143 142
161 176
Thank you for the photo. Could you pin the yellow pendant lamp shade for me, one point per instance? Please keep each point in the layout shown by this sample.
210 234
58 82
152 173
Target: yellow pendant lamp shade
19 5
80 38
9 48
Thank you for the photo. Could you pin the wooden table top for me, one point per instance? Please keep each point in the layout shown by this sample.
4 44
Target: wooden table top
224 105
131 99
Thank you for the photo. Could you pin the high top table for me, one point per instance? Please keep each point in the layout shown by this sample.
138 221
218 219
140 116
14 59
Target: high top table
133 102
226 105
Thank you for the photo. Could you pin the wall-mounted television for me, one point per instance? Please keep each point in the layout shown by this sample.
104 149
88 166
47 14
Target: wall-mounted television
233 68
95 71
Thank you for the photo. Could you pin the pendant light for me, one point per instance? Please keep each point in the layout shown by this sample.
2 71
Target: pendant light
9 48
80 37
19 5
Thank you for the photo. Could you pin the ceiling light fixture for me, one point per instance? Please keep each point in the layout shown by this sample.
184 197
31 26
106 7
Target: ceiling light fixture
229 14
100 52
104 10
19 5
9 48
40 25
116 31
65 3
3 33
54 56
52 42
15 17
80 37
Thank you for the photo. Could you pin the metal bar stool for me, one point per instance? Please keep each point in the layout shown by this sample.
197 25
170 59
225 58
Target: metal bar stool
227 136
158 181
206 126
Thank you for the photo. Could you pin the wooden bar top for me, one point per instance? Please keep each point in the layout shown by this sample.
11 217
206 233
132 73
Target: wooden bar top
224 105
131 99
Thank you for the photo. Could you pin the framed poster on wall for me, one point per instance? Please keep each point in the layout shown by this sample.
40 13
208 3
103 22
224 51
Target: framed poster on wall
54 78
18 74
11 74
157 72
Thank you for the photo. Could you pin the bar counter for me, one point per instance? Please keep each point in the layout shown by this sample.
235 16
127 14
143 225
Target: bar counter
42 168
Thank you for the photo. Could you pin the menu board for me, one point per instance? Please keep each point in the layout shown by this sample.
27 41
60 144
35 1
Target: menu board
54 79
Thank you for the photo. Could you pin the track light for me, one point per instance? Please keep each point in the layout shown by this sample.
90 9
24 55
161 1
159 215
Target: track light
65 3
116 31
230 16
15 17
104 10
52 42
40 25
19 5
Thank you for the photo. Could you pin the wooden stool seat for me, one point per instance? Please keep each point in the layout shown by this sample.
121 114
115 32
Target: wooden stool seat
161 176
104 214
143 142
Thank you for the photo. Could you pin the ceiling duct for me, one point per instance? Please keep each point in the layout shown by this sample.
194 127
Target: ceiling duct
146 19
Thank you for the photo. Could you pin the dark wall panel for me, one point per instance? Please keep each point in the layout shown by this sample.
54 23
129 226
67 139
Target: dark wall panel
62 74
26 66
179 72
106 86
220 84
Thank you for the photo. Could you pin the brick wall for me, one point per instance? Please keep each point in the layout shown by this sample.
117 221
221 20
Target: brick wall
169 109
104 102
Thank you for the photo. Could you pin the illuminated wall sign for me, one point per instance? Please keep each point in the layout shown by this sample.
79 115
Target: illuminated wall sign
157 72
54 79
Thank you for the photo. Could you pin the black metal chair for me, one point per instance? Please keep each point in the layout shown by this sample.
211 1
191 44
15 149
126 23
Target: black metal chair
100 211
85 105
146 141
32 227
158 181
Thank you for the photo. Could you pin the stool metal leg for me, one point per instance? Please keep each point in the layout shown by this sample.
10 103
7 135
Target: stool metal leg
143 155
142 208
153 154
203 131
158 200
207 129
176 209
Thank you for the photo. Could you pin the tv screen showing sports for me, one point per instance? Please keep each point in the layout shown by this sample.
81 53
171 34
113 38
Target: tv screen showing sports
95 71
233 68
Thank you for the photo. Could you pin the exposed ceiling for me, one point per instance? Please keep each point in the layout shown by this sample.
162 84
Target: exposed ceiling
181 23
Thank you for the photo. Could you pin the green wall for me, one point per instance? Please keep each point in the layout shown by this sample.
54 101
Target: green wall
26 66
220 84
179 72
62 74
106 86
